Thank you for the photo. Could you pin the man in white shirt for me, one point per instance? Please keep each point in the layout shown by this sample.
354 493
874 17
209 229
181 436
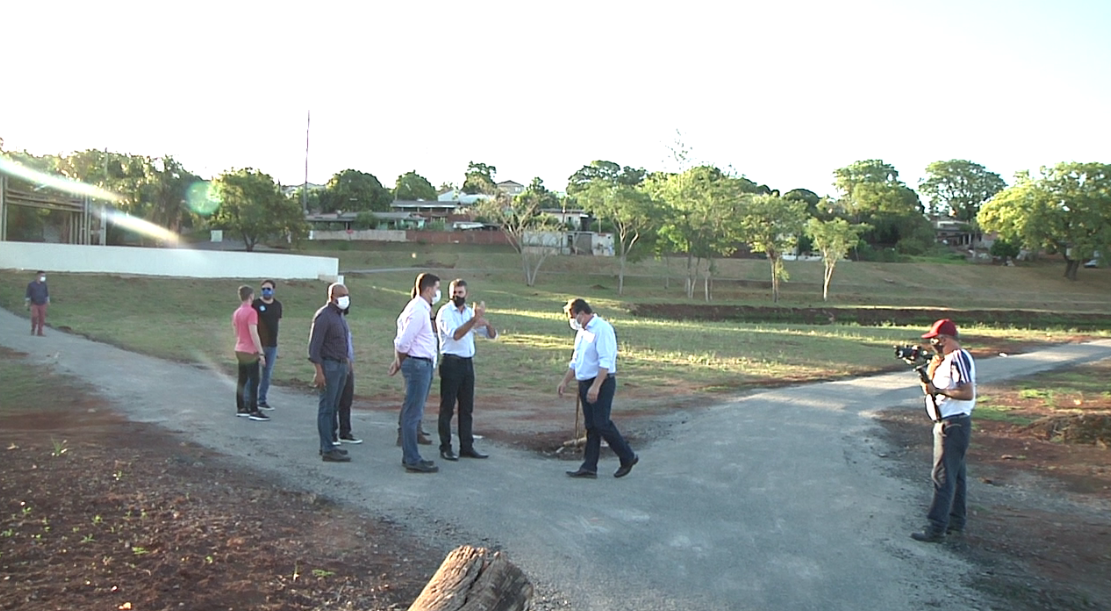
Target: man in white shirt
952 391
457 324
415 358
594 366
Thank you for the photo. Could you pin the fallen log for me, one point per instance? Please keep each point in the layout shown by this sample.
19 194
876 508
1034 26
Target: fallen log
473 579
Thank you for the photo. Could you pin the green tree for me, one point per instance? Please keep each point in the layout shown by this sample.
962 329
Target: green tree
872 193
413 186
480 179
252 206
832 238
1066 210
699 209
874 171
533 235
355 191
771 225
150 188
629 210
606 172
545 199
959 187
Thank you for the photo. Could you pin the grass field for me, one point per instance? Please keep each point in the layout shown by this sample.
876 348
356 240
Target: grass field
189 319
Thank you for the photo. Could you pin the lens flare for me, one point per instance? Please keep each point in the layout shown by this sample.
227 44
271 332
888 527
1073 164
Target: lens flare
141 226
59 183
202 198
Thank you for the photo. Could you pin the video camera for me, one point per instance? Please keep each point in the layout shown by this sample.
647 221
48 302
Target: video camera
916 356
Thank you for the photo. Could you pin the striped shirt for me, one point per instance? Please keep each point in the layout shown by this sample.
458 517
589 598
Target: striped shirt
956 368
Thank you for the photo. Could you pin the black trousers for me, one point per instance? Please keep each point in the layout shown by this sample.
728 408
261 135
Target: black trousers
456 386
343 410
246 387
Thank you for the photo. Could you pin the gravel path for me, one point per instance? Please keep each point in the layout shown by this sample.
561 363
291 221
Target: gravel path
776 500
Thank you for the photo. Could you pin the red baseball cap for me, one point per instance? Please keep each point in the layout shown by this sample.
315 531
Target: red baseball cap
942 327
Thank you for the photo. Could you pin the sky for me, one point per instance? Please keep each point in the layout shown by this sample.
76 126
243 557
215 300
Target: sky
782 92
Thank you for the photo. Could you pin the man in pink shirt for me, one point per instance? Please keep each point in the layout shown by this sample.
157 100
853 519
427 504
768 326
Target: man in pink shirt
415 357
249 355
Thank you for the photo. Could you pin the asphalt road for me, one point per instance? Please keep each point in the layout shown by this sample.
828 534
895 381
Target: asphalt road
776 500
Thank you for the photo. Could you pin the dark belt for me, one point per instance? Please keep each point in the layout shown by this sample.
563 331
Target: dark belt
420 358
955 417
335 360
456 356
609 376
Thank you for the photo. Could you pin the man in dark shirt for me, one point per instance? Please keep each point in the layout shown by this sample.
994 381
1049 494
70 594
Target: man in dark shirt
37 298
328 353
269 313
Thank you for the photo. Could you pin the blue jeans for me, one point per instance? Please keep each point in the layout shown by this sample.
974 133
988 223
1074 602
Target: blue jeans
951 438
335 376
271 354
596 416
418 380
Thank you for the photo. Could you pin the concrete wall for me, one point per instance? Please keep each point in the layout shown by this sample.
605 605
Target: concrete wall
372 235
181 262
457 237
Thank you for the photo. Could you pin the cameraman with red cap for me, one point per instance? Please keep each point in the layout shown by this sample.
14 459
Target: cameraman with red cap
950 398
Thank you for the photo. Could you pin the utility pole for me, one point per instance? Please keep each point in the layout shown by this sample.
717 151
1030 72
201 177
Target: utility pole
305 185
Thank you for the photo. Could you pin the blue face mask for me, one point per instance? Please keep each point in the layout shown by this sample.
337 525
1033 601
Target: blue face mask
267 292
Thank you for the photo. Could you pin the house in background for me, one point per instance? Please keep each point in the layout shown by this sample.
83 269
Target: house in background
461 197
511 188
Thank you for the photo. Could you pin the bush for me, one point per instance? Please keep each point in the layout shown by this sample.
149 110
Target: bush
1003 249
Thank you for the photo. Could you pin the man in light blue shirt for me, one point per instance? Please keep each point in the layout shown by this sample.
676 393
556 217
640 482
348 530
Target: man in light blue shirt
457 323
594 366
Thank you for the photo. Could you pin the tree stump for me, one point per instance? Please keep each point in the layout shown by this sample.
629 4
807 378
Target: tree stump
472 579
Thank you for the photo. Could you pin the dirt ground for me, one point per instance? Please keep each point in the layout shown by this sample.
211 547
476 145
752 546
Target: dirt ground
1039 529
99 512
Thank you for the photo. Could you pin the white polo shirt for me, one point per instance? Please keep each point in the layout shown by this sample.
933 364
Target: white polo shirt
448 321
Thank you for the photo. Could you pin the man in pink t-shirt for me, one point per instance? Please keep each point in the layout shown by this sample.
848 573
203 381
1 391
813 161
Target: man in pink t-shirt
249 356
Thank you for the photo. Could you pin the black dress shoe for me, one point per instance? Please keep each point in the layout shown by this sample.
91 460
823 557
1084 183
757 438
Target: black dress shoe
424 466
473 453
583 473
928 536
623 470
448 455
335 456
339 451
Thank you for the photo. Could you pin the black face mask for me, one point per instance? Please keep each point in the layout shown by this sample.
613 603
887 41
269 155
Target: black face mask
459 301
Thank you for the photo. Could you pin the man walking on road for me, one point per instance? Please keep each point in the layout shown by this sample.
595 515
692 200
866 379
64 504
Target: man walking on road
457 324
594 366
248 355
328 350
415 358
37 298
269 314
950 397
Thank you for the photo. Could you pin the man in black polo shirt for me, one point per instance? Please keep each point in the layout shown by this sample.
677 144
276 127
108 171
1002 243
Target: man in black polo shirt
269 313
328 351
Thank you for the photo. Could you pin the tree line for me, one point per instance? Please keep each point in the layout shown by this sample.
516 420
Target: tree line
700 212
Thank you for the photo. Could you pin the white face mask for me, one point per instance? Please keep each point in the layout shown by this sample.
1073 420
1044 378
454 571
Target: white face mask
343 302
437 296
575 326
42 278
